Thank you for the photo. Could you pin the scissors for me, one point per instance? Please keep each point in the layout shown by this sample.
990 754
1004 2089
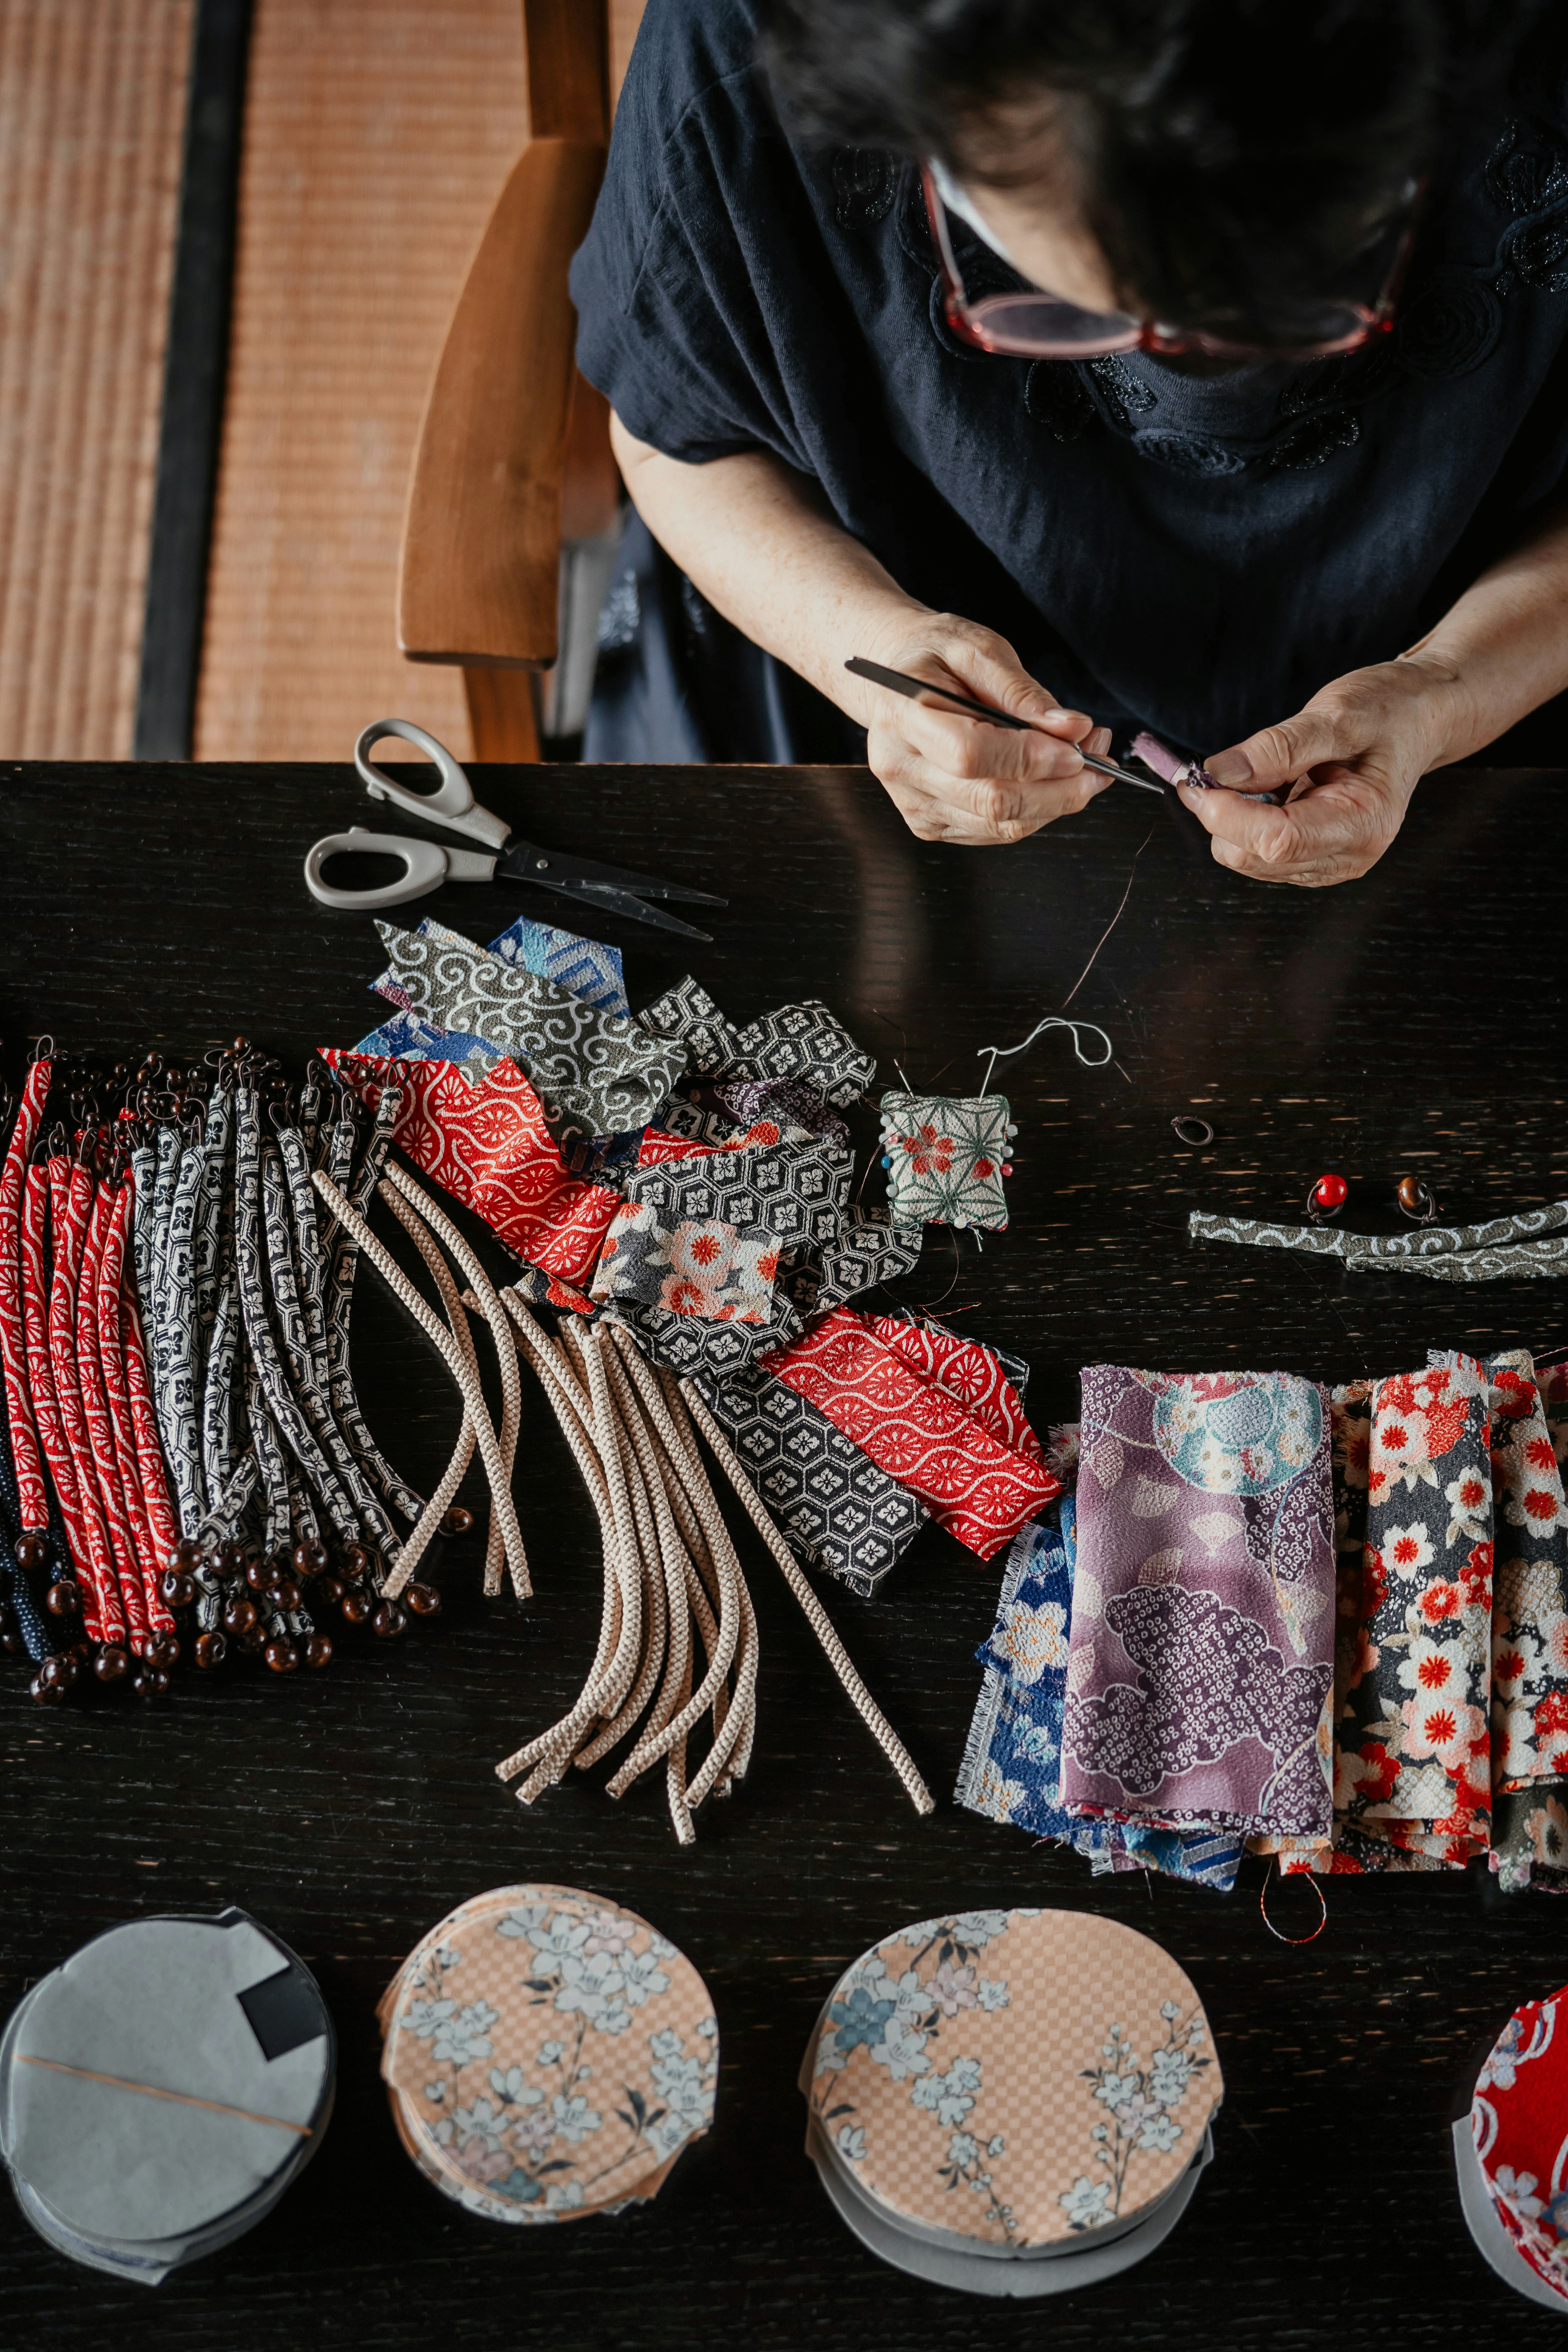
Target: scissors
427 864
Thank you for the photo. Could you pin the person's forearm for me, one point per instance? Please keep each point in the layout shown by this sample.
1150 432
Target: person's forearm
760 543
1501 649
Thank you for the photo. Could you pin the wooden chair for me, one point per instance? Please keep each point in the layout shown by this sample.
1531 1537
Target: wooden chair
513 478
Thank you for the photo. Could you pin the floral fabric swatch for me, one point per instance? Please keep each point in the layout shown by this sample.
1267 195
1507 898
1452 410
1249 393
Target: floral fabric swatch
944 1155
489 1148
583 968
1413 1766
836 1508
806 1043
988 1385
978 1487
701 1235
1516 2117
1012 1762
1530 1634
1202 1659
598 1068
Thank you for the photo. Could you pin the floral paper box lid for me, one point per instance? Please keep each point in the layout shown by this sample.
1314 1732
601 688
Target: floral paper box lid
1519 2116
551 2053
1016 2076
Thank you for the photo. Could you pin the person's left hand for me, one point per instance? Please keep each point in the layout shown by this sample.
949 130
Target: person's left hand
1351 759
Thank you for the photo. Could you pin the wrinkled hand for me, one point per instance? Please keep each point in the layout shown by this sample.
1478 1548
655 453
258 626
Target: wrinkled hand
1351 759
956 779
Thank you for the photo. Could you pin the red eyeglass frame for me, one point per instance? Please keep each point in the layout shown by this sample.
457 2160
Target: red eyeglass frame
970 320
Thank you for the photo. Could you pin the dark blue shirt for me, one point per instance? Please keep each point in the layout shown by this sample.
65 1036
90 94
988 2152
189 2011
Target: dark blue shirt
1196 556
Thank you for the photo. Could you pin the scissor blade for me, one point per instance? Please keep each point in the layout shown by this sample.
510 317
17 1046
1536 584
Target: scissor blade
606 899
525 861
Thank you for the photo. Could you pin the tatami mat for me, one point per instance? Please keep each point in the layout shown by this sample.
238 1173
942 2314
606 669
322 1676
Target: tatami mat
91 122
378 134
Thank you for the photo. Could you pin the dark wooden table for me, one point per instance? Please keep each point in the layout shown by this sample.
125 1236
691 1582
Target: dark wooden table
1410 1021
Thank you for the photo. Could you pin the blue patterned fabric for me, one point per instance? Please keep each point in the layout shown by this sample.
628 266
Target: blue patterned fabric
409 1037
1012 1763
583 968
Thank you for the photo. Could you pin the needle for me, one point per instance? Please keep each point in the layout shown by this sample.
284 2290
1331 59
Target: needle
914 686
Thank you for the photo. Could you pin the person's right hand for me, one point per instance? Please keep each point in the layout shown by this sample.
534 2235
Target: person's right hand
954 778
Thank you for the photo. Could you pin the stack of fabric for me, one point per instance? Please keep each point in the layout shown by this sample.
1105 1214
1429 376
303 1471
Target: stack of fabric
1355 1659
1158 1682
690 1179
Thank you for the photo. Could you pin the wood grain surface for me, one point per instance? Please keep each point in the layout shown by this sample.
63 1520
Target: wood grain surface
1411 1022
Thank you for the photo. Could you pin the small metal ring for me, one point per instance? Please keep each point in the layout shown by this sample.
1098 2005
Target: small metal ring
1193 1142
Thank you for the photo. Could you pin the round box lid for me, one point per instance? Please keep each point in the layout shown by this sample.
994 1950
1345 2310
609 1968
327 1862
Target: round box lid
1518 2122
167 2074
550 2051
1014 2077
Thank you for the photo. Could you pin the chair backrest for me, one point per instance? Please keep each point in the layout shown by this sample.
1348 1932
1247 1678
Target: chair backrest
567 44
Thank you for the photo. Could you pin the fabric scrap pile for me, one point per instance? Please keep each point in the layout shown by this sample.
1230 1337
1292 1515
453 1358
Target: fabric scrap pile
677 1188
1338 1637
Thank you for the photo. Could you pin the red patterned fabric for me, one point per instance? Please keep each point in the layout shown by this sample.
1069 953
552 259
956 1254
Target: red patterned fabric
150 1552
489 1148
967 1370
69 1188
657 1145
1520 2120
978 1487
41 1383
24 1451
99 1428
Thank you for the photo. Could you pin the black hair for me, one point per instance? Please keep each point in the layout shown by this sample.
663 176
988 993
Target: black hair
1238 161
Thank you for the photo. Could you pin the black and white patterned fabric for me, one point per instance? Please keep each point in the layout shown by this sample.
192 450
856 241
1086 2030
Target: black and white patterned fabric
806 1043
1531 1243
833 1505
600 1069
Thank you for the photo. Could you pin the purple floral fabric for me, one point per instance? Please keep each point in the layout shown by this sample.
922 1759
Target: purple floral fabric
1200 1675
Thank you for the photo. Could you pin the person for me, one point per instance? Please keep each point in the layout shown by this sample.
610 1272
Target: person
1190 364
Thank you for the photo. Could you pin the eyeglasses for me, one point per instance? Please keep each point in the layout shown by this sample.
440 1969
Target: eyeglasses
1036 325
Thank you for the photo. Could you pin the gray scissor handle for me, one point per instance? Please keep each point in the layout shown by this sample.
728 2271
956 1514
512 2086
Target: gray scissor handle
452 803
425 866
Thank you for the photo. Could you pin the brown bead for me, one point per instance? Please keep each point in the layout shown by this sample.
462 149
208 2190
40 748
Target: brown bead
162 1650
309 1559
286 1595
150 1681
239 1617
231 1558
64 1599
32 1552
179 1589
47 1693
111 1663
63 1668
263 1574
422 1599
282 1656
389 1621
458 1521
1412 1194
318 1651
355 1562
253 1640
356 1606
10 1641
329 1589
187 1554
211 1650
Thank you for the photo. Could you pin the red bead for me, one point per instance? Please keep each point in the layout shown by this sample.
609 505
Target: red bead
422 1599
318 1651
1330 1192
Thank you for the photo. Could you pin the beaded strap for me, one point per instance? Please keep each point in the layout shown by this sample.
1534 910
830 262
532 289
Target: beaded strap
150 1550
339 1310
33 1500
41 1384
174 1342
70 1186
95 1417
